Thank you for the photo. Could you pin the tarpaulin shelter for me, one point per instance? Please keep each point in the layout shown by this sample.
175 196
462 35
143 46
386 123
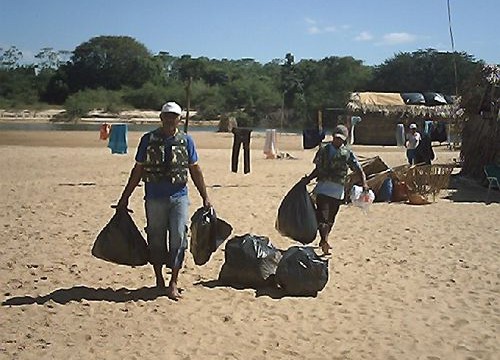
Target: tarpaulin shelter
381 112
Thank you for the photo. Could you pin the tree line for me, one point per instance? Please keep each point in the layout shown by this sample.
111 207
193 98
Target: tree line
118 72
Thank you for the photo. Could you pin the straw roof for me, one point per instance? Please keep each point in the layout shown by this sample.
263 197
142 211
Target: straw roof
392 103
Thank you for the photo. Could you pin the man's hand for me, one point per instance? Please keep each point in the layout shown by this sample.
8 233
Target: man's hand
122 205
206 203
366 188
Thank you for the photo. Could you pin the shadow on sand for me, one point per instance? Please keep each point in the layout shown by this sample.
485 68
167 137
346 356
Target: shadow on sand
467 190
270 290
79 293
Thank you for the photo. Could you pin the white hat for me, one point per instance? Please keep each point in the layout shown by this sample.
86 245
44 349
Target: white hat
171 107
413 126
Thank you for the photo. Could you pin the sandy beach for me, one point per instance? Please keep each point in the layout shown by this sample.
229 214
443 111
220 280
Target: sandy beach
406 282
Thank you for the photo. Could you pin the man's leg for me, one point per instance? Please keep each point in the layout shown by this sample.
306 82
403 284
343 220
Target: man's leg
177 240
160 281
410 154
324 231
156 229
323 209
328 208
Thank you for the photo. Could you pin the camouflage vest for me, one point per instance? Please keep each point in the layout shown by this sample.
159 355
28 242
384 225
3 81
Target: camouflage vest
333 168
165 163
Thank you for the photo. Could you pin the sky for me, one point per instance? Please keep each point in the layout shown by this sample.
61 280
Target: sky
372 31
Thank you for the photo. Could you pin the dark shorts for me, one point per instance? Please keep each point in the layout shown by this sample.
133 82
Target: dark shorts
326 209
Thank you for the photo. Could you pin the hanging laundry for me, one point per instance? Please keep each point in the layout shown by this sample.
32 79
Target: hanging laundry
118 139
400 135
312 138
241 138
428 127
104 131
270 146
354 120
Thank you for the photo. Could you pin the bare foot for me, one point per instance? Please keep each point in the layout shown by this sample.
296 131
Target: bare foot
325 247
173 292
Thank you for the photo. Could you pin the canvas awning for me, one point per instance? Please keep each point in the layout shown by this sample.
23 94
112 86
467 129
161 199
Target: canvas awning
390 103
379 99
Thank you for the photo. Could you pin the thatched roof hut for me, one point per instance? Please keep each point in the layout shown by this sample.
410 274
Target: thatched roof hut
381 112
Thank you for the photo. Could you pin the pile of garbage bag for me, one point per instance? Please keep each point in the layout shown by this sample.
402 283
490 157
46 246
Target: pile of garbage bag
250 260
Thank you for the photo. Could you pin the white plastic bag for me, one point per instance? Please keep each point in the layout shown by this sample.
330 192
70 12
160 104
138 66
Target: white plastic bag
362 199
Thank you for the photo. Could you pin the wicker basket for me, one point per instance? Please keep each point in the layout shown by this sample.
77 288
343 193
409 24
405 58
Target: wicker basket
428 180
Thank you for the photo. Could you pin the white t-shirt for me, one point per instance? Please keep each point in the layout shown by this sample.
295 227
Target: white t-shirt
413 140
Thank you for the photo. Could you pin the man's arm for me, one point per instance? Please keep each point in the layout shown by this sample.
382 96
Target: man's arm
355 166
133 181
199 182
312 175
361 173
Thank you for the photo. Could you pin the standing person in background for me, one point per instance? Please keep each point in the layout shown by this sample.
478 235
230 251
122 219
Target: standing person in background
332 161
412 141
163 159
423 152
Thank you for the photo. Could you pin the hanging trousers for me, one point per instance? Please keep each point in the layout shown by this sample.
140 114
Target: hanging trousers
241 137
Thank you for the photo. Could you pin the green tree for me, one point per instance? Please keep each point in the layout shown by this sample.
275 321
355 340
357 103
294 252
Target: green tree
111 62
48 59
9 59
18 87
425 70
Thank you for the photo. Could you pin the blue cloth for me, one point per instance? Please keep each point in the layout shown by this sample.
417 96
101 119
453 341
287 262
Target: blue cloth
428 126
118 139
165 189
385 191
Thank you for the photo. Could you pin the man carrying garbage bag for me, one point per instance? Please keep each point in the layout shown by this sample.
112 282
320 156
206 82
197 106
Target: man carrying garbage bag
332 161
164 158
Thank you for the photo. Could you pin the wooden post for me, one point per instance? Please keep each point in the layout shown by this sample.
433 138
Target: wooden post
320 120
188 103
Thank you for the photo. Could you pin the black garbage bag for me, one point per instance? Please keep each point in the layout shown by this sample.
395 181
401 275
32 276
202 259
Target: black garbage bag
207 233
301 272
121 242
297 215
250 260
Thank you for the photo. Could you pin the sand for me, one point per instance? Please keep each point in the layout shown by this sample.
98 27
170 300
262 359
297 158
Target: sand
406 282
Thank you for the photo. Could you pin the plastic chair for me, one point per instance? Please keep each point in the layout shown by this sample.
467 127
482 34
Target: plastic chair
492 175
